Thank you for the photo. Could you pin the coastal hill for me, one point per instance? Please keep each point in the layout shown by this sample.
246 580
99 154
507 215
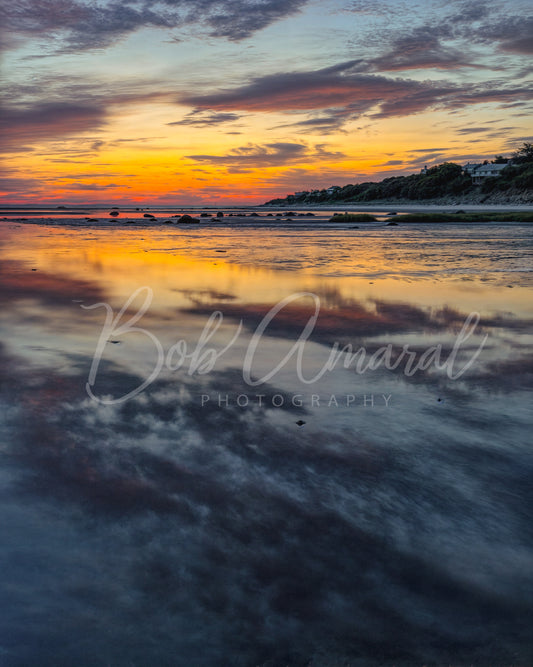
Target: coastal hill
501 181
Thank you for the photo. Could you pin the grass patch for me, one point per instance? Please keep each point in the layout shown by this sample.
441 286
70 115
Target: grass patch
467 217
353 217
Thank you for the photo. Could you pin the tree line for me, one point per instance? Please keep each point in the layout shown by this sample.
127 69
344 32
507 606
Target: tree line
439 181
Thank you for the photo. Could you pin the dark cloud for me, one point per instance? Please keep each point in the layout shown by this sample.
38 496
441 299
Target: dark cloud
351 93
49 119
268 155
446 41
339 85
16 184
427 150
513 34
332 121
93 186
74 25
472 130
58 107
421 49
206 118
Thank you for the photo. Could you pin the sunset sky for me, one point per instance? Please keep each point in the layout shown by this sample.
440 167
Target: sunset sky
193 102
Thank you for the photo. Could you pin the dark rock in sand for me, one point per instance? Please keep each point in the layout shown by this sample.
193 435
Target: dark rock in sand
220 214
187 219
392 224
254 215
279 215
92 219
149 215
392 213
114 213
270 215
205 215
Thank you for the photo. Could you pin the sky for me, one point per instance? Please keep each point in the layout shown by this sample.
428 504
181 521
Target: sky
202 102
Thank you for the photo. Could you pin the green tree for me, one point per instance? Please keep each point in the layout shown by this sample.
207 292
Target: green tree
523 154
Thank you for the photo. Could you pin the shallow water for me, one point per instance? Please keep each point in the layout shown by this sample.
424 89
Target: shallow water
196 520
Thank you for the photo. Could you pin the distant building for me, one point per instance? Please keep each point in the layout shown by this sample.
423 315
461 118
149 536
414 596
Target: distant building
479 172
333 189
424 170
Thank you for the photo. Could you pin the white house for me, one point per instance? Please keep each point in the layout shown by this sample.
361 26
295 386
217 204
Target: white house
479 172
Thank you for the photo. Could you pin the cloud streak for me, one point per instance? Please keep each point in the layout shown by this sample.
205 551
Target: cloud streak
344 93
268 155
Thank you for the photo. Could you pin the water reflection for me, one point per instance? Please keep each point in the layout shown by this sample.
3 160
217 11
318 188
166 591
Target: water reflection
192 526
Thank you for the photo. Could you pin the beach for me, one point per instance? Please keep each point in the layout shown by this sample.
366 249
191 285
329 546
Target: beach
256 442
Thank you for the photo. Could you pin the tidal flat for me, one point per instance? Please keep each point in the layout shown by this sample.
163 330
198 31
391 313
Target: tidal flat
194 471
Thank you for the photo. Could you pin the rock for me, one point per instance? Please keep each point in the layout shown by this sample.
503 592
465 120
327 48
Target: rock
270 215
254 215
392 224
300 422
392 213
149 215
279 215
92 219
459 212
188 219
220 214
205 215
114 213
